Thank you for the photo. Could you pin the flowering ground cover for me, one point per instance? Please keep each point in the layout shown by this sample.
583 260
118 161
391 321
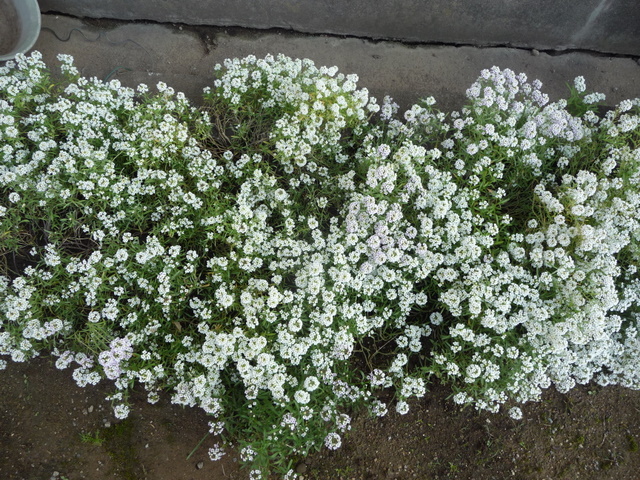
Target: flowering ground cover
294 253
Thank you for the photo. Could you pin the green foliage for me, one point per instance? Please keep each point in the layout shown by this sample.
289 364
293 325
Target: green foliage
289 252
92 438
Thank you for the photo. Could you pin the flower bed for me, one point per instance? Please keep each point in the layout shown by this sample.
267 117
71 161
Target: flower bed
292 250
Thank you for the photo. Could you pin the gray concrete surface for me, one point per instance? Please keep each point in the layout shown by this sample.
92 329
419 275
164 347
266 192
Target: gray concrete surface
611 26
184 58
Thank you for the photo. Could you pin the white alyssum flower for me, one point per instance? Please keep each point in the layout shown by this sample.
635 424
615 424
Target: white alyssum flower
247 269
333 441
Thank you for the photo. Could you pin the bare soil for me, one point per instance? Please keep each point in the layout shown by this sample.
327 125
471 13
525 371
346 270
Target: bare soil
52 429
49 425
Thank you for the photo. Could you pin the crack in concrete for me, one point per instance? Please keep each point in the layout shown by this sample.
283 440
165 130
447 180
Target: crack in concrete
209 44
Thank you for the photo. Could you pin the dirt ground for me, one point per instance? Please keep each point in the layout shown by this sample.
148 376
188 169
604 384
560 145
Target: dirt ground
52 430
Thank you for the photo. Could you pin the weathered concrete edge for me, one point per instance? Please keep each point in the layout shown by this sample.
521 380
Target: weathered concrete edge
593 25
184 57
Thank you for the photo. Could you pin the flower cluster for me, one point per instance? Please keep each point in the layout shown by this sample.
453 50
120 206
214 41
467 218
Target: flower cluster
282 255
311 108
548 295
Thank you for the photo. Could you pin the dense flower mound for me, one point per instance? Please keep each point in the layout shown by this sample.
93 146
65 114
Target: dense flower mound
293 250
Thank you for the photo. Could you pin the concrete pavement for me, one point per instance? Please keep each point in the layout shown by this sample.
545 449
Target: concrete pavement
610 26
184 56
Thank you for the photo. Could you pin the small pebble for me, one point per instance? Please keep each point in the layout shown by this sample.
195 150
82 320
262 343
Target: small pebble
90 409
199 465
535 52
301 468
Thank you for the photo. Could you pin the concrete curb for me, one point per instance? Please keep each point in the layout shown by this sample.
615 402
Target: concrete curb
597 25
184 58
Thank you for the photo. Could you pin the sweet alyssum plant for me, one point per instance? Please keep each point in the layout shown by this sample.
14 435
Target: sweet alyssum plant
293 250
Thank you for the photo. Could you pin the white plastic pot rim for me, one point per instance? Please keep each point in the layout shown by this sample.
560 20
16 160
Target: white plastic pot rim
28 13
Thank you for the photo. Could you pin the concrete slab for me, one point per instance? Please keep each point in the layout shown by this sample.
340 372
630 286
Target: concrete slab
184 58
600 25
